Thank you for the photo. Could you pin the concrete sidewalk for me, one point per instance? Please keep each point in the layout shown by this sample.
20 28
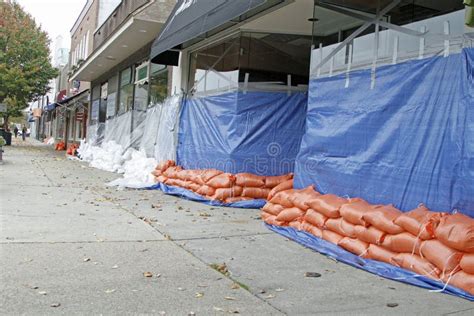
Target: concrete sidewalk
68 240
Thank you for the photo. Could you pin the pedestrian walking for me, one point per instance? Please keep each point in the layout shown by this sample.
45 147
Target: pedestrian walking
15 131
23 132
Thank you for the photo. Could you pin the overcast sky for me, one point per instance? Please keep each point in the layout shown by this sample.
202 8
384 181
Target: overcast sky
55 16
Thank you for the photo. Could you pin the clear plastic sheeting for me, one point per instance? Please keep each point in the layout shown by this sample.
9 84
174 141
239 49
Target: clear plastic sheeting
114 146
407 141
166 136
148 140
256 132
119 129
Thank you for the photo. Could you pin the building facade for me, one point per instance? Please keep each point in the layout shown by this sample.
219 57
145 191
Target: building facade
123 81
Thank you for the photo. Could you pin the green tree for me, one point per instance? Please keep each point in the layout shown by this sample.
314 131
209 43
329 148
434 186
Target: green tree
25 66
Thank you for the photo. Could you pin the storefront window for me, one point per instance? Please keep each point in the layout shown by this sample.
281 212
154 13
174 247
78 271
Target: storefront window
126 90
158 83
70 132
112 96
251 59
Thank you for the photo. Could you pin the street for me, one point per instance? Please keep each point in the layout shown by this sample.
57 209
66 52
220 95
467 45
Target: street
71 245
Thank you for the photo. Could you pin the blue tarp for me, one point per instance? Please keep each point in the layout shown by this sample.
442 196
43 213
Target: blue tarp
380 268
256 132
407 141
190 195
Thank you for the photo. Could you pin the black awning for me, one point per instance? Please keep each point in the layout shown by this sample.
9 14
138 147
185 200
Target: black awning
193 20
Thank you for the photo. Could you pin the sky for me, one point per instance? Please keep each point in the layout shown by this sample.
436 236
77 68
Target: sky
56 17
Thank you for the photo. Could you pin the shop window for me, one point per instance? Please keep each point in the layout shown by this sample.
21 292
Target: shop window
141 87
71 119
125 91
158 83
112 96
251 60
331 27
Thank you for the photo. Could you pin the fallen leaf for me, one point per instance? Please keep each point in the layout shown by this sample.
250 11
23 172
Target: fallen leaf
204 214
199 294
115 267
87 259
218 309
270 296
235 286
392 304
109 291
55 304
147 274
312 274
42 293
279 290
229 298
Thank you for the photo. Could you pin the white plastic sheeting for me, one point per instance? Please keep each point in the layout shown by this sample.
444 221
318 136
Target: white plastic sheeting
167 136
137 171
113 146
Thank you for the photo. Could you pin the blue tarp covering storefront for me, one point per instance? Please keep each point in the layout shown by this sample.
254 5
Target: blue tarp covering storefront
257 132
407 141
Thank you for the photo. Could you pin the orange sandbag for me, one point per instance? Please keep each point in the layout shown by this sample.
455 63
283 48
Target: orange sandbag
295 225
456 231
462 280
163 165
299 197
273 209
315 218
340 226
369 234
273 181
156 173
327 204
255 193
193 186
207 175
417 264
356 246
378 253
307 227
224 180
237 199
446 259
404 242
382 217
354 211
467 263
172 172
420 222
288 184
283 198
270 219
224 193
249 180
206 190
176 183
331 236
290 214
161 179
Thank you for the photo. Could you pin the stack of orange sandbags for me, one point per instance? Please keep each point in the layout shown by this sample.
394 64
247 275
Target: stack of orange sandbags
437 245
217 185
71 150
60 146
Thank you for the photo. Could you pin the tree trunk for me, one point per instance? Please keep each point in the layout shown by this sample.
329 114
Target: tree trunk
5 122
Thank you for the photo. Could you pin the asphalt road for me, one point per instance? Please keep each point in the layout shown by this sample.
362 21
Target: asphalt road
71 245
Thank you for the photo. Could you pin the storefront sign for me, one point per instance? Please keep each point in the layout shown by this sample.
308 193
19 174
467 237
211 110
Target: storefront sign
103 93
